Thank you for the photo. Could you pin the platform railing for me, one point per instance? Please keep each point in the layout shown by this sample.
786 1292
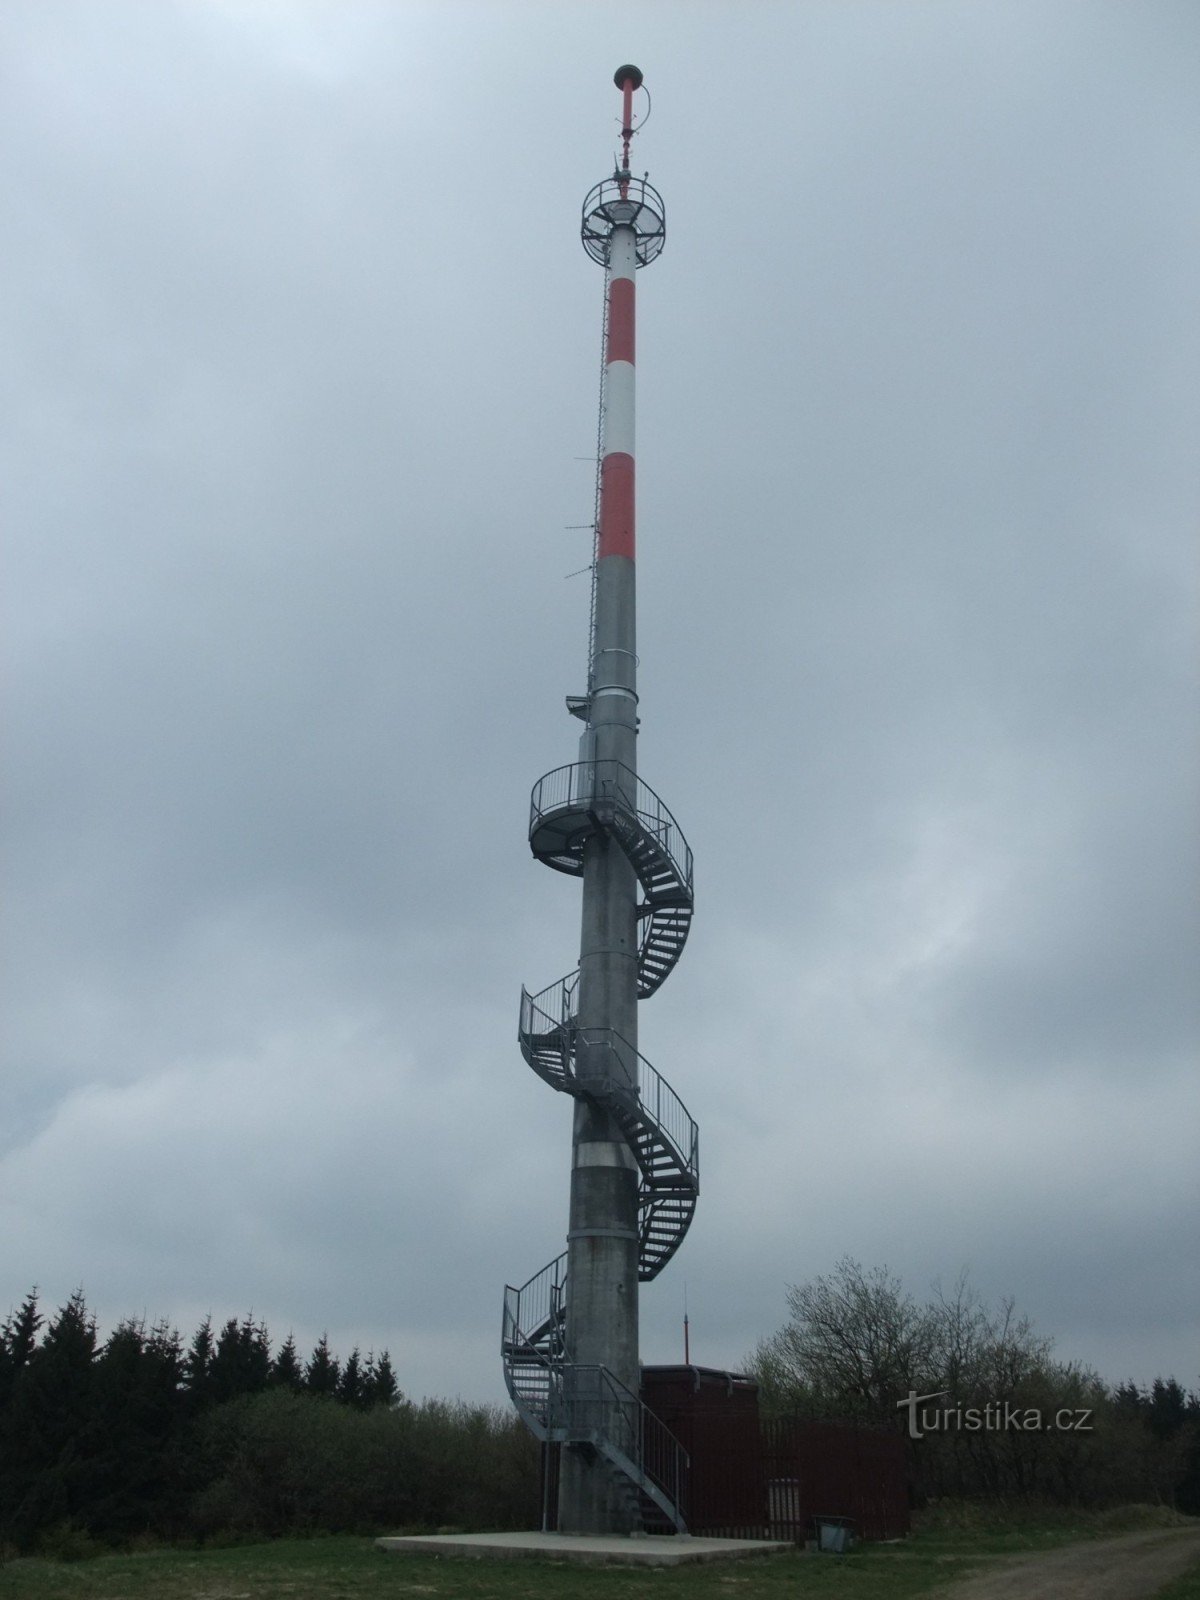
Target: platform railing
629 202
585 785
536 1305
551 1009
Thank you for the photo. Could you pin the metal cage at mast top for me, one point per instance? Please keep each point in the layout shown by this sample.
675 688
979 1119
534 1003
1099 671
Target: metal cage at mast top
622 201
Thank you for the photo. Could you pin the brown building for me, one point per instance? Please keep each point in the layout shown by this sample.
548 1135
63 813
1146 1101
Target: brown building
754 1479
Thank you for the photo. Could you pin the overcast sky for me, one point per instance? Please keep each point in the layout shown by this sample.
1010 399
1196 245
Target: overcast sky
300 377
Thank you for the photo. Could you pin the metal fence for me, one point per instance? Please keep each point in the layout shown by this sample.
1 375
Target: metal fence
747 1479
805 1473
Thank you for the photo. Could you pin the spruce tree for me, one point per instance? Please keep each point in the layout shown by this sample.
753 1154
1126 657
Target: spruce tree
379 1383
50 1462
1127 1398
21 1330
351 1387
241 1362
1167 1411
286 1371
322 1374
18 1339
140 1411
197 1367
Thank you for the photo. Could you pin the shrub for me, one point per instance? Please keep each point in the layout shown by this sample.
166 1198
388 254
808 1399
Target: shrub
280 1463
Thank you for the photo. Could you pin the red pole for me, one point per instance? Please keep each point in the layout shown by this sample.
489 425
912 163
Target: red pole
627 79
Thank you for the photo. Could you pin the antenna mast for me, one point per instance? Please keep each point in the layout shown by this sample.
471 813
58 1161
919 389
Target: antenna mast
570 1342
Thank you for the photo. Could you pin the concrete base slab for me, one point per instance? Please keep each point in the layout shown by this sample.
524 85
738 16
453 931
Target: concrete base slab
636 1550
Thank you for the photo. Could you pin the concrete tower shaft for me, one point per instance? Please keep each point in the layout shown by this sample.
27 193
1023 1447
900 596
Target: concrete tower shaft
602 1241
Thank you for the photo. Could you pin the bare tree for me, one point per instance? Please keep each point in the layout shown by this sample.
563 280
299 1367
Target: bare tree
855 1345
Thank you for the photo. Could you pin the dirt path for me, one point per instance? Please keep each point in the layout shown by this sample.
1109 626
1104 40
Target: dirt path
1130 1568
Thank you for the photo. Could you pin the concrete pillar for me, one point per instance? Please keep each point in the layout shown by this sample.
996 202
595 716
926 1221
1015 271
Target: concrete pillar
602 1243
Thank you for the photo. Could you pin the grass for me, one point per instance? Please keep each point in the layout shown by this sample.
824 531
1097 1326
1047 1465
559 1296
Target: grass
1011 1530
352 1569
1185 1588
343 1568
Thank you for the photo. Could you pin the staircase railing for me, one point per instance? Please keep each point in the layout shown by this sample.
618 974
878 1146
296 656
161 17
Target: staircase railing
651 1096
533 1310
586 1406
637 1085
586 784
551 1008
598 1406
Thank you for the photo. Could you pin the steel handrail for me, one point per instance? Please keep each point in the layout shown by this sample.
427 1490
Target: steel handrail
545 1292
584 784
650 1092
551 1009
628 201
585 1398
592 1395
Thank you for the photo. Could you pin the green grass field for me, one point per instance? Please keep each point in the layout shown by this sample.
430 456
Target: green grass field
346 1568
1185 1588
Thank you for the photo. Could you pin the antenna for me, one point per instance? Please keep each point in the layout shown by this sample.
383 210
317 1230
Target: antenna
627 79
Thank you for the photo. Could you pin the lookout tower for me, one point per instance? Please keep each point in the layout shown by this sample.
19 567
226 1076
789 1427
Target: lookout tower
570 1336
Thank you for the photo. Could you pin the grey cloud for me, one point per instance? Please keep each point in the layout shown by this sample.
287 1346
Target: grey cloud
302 350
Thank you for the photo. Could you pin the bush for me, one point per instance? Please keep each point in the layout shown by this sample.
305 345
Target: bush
279 1464
69 1543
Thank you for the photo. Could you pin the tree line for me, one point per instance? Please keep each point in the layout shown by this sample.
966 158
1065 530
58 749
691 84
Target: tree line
141 1435
1004 1419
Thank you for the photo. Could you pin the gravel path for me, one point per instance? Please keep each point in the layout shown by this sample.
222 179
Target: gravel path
1133 1567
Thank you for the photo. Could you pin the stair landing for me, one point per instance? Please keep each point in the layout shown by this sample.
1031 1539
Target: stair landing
592 1549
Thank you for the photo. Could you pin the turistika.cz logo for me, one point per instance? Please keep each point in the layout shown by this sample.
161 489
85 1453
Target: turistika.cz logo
995 1417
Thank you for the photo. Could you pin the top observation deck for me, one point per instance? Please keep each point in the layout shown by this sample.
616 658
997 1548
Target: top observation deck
624 201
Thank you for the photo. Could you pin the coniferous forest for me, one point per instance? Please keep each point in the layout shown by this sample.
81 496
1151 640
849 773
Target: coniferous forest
143 1436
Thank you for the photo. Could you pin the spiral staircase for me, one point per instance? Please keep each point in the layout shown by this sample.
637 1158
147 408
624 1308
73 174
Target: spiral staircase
586 1408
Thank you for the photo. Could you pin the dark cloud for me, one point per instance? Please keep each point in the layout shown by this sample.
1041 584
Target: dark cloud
302 352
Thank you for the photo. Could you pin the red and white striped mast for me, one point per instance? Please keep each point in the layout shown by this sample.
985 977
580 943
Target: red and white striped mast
617 497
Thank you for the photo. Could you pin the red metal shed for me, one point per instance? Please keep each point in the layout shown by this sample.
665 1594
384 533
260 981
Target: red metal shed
754 1479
